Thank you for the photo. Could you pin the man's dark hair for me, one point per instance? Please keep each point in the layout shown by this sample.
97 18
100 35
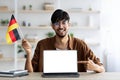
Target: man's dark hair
59 15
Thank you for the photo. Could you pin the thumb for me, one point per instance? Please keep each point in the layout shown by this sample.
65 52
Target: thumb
88 59
23 39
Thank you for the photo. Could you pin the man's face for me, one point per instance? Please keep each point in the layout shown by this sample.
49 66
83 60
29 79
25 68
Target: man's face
61 28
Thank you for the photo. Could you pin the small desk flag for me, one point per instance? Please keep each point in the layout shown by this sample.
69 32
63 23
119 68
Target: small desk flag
12 34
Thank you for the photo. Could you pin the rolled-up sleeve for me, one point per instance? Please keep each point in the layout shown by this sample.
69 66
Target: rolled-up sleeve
35 59
89 54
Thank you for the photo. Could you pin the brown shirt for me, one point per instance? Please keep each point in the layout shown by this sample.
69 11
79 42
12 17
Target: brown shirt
83 52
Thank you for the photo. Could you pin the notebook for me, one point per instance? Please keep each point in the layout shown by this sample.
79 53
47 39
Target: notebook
60 63
13 73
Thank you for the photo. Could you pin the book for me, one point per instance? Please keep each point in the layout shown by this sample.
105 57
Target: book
13 73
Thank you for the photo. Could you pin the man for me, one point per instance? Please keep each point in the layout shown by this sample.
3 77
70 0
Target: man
61 41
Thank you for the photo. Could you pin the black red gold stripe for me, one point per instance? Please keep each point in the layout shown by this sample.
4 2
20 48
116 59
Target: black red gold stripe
14 35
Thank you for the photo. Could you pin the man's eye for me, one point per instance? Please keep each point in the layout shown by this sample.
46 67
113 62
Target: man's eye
56 23
64 22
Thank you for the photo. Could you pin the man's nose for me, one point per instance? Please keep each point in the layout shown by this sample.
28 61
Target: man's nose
60 25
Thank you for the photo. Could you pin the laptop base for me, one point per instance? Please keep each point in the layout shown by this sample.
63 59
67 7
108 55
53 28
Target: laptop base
60 75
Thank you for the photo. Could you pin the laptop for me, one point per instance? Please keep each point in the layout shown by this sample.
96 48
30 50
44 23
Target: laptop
60 63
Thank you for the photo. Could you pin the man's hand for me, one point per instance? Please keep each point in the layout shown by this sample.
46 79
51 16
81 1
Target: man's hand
26 45
90 65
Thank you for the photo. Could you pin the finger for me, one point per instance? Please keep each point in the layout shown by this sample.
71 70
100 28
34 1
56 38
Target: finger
89 59
23 40
83 62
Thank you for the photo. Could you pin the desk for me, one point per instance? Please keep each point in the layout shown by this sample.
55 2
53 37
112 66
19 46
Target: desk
83 76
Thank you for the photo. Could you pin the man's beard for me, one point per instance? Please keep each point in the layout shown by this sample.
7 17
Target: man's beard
61 36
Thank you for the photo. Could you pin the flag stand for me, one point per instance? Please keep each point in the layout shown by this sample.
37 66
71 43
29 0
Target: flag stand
15 44
13 34
15 55
15 49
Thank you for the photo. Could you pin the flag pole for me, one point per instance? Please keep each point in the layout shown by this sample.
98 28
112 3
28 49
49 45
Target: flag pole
15 44
19 29
15 56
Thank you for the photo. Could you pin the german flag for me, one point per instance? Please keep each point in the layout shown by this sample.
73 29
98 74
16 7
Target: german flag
12 34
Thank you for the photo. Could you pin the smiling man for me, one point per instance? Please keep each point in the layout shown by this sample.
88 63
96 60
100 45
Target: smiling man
61 41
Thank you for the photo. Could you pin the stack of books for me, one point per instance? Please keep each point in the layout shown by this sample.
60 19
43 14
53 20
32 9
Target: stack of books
13 73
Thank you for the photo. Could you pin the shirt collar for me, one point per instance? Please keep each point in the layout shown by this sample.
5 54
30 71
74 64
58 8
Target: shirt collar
70 42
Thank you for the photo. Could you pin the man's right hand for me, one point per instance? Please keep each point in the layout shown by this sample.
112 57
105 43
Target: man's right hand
26 45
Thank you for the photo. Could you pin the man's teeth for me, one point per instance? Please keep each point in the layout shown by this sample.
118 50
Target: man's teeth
61 30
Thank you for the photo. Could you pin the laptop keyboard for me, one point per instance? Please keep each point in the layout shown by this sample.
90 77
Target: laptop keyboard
60 75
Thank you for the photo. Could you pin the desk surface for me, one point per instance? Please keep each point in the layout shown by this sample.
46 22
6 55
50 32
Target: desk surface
83 76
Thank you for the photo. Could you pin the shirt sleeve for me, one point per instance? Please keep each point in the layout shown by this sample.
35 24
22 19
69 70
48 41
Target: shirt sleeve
35 60
89 54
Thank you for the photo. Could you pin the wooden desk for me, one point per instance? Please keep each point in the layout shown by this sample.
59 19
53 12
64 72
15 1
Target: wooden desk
83 76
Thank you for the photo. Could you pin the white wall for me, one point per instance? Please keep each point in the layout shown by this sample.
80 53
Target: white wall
110 23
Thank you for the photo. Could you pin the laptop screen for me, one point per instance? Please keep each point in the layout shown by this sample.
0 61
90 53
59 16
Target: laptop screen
60 61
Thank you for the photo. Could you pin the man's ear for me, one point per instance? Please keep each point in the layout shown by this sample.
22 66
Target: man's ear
69 24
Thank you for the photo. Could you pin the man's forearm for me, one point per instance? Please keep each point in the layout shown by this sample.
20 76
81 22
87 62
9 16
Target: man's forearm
99 69
28 64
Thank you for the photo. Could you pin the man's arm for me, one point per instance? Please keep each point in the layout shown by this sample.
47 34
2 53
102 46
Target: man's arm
99 68
92 66
27 47
92 62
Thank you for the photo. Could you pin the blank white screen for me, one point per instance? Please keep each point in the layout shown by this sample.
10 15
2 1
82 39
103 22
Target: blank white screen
59 61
